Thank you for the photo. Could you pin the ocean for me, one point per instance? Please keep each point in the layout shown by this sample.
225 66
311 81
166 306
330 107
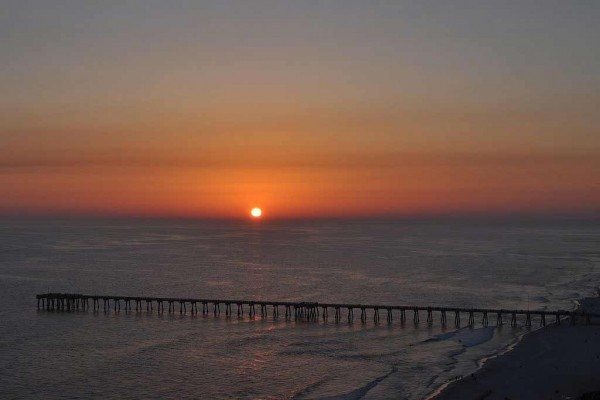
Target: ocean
85 354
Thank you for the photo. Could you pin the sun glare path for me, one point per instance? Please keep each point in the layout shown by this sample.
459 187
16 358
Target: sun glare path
256 212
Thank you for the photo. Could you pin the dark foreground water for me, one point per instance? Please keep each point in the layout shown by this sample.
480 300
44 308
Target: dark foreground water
49 355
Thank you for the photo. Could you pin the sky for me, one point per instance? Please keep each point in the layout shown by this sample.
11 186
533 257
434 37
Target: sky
304 108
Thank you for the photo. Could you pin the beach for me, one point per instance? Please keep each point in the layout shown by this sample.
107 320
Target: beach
556 362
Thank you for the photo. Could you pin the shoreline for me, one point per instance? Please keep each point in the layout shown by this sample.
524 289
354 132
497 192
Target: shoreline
554 362
481 363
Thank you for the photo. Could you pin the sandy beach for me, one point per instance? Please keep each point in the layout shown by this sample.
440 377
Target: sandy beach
556 362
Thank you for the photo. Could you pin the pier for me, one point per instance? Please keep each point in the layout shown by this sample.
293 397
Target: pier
307 311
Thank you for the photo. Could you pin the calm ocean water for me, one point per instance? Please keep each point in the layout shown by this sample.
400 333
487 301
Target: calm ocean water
49 355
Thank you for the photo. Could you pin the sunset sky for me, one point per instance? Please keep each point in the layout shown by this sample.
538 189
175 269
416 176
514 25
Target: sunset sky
303 108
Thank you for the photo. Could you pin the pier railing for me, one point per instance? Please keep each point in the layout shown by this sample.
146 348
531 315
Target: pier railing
304 311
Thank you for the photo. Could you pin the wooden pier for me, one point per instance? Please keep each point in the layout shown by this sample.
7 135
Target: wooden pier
305 311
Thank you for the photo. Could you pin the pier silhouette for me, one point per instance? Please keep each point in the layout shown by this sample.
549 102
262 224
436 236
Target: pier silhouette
304 311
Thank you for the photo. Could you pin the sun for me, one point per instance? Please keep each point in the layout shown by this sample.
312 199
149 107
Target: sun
256 212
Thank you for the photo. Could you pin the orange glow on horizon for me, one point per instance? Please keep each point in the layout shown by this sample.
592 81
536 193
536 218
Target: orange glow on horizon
403 186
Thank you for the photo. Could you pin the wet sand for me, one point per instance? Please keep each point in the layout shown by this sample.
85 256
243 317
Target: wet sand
556 362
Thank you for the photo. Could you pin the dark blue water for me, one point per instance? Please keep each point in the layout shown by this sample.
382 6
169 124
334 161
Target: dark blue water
139 355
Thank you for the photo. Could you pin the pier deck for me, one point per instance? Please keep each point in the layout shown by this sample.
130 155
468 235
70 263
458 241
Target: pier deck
303 311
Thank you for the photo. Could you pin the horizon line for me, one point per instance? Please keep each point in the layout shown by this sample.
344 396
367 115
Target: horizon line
591 215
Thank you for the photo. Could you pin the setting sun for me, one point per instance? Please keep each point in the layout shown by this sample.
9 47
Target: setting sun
256 212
